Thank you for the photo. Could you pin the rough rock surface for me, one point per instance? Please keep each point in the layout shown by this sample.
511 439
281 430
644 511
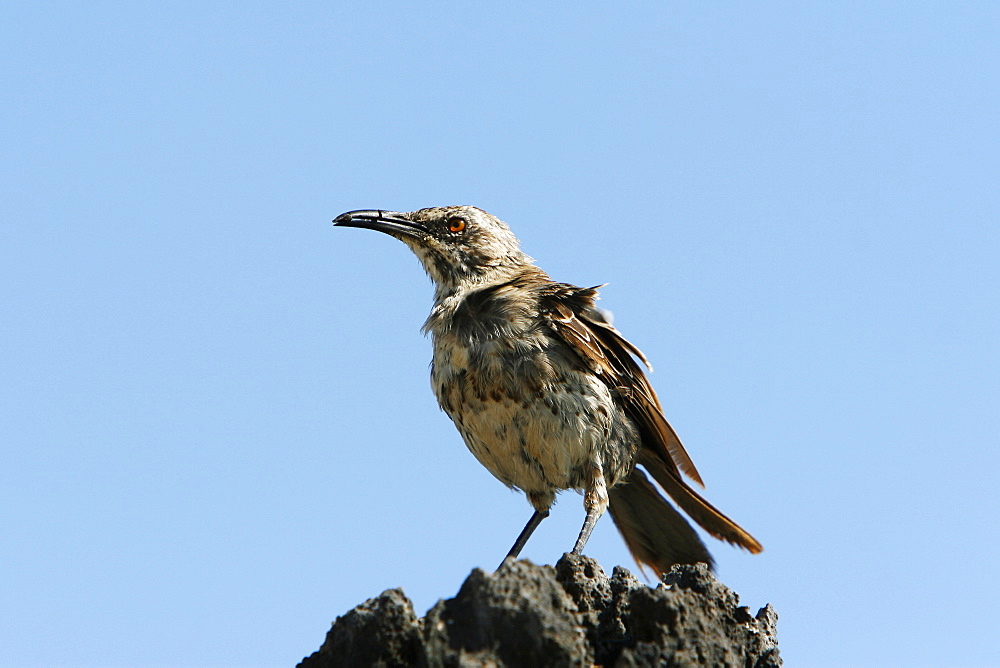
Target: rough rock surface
570 615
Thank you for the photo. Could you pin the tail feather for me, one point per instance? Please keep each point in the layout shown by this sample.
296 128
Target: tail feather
711 519
655 533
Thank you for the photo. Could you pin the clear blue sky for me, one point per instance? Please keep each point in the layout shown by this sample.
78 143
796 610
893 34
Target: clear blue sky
216 427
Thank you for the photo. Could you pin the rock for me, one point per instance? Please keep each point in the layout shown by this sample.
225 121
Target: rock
570 615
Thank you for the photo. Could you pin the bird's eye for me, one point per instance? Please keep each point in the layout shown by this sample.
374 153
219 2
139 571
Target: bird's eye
456 224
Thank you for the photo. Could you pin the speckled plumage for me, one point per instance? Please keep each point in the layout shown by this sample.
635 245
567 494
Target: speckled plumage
530 410
545 392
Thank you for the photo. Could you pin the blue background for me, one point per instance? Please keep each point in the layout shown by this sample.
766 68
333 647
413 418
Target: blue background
216 427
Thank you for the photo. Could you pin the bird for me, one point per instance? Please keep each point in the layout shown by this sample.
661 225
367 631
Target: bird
546 393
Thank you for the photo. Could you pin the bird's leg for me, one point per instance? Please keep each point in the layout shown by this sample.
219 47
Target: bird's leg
542 502
595 501
529 528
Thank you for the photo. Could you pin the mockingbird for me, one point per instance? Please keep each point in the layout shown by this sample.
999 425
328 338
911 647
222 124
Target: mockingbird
546 393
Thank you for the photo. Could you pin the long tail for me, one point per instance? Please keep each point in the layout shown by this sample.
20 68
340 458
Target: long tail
711 519
657 535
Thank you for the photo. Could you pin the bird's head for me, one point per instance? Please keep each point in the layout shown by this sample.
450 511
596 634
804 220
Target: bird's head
457 245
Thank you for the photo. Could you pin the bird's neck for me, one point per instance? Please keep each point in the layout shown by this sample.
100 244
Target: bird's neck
448 297
459 286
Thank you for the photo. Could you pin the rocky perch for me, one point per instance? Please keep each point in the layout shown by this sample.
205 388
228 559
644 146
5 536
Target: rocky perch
570 615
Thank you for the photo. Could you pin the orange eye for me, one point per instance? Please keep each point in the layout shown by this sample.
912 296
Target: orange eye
456 225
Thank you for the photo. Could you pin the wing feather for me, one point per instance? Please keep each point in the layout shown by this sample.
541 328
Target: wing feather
573 315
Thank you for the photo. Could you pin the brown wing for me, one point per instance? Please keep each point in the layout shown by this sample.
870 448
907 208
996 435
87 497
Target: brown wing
573 315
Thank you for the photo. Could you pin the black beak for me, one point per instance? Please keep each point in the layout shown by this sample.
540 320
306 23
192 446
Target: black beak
390 222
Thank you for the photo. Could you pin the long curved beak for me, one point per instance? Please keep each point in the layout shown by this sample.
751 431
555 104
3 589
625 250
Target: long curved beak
391 222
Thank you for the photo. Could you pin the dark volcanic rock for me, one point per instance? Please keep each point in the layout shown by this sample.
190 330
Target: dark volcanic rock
570 615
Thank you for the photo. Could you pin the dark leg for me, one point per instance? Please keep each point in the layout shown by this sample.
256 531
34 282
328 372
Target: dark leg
593 514
525 534
595 501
